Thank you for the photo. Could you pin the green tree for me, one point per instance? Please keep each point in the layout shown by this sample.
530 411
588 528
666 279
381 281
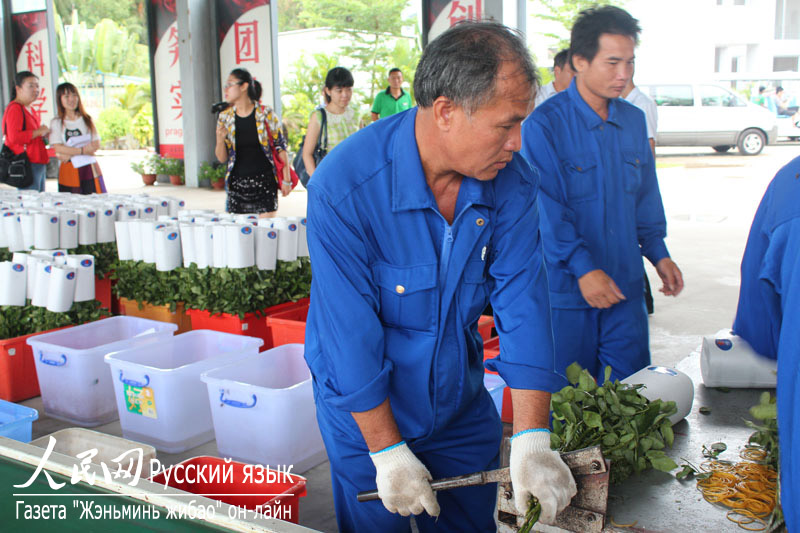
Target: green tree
113 124
366 24
134 98
289 15
130 14
566 11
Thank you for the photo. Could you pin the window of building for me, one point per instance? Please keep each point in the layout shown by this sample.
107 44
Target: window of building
787 19
713 96
672 95
785 64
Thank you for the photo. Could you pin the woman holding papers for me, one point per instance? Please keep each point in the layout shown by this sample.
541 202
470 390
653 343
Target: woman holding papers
74 138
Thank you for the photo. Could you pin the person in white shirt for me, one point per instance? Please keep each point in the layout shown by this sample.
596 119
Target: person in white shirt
73 137
633 95
562 76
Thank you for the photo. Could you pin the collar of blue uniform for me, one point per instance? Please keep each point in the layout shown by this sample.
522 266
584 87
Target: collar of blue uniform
590 117
409 188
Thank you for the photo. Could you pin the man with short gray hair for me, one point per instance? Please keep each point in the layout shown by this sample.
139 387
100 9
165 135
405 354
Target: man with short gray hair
415 224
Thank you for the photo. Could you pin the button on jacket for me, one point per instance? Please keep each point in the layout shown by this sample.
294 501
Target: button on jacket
397 291
769 314
600 200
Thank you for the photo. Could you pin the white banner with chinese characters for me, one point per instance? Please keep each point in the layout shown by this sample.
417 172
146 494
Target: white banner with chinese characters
444 14
168 94
33 53
245 41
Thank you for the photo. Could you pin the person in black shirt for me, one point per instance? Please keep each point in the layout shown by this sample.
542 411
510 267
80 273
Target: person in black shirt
249 139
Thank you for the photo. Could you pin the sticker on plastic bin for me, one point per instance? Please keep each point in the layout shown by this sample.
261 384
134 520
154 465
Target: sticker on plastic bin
247 230
272 234
71 223
18 267
140 401
292 227
172 236
86 263
723 344
109 212
90 214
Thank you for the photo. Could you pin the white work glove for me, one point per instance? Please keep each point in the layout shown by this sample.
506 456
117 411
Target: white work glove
538 471
402 481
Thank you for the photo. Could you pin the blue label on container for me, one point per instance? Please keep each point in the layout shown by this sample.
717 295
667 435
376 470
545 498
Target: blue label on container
724 344
662 370
131 213
161 226
54 220
58 254
292 227
164 204
17 267
90 214
10 213
247 230
172 236
109 212
181 203
47 269
304 221
70 275
148 209
71 223
215 219
59 203
272 235
86 263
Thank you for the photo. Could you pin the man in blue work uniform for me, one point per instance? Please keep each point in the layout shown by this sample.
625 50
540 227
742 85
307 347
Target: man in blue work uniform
601 207
414 224
768 316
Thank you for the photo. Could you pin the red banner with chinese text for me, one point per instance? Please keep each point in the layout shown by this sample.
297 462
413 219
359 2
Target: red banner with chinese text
439 15
32 52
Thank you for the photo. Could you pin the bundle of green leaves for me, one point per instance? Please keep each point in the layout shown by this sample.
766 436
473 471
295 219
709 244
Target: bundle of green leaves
140 281
6 254
766 433
105 256
631 430
16 321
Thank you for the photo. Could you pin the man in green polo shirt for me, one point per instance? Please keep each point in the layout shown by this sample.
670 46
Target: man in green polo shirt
393 100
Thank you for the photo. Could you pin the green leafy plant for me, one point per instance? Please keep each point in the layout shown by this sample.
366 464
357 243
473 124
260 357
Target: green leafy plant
171 166
140 281
113 124
766 433
631 430
143 126
6 254
213 172
16 321
148 165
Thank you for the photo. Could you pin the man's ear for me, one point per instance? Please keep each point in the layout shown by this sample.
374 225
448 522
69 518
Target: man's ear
443 109
580 63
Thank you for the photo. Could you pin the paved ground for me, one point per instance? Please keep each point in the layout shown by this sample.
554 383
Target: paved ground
710 200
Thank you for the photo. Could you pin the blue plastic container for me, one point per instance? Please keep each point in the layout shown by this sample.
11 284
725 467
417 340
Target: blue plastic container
16 421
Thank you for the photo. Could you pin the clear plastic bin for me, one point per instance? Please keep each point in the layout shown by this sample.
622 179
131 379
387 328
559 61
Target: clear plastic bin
75 382
73 441
263 409
16 421
159 395
496 386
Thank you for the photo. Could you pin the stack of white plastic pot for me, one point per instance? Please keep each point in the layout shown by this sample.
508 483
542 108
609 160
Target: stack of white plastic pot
51 224
210 239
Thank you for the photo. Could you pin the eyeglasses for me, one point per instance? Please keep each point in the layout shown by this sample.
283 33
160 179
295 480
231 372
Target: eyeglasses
229 85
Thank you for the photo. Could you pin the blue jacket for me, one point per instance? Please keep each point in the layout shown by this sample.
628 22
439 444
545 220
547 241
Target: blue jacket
768 316
396 292
600 200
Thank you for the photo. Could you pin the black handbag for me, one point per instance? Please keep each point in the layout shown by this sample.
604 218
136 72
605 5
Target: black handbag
15 169
320 151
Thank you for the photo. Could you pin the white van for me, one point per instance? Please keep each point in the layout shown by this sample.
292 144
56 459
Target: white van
705 114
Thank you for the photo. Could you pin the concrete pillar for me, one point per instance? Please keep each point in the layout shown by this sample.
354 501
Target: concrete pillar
7 60
199 64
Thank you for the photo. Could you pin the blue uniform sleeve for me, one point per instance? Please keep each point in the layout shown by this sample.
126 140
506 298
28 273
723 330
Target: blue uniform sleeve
346 348
651 224
566 246
520 297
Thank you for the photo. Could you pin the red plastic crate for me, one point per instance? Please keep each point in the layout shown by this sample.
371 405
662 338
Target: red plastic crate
281 497
18 379
252 325
507 413
102 292
485 326
289 327
491 349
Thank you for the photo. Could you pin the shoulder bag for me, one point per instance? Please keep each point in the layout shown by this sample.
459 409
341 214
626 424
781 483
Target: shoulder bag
15 169
320 151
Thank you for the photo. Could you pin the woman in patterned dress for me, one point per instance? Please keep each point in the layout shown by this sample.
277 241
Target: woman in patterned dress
341 120
248 134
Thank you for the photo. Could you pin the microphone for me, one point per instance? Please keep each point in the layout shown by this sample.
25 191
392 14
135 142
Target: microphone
219 106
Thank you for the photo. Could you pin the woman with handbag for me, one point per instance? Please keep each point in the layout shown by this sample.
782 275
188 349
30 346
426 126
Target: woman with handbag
340 120
73 122
251 141
23 129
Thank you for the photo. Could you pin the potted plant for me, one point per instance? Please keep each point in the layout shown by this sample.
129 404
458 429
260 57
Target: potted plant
174 169
146 169
214 173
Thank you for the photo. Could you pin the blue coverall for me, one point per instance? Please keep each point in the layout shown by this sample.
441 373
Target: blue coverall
395 297
768 316
601 209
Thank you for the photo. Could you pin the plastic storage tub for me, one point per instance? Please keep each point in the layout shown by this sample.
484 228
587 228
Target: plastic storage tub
289 327
16 421
278 499
263 409
74 441
74 380
496 387
159 395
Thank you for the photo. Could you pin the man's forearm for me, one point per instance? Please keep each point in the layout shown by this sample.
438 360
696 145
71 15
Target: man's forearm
531 409
379 427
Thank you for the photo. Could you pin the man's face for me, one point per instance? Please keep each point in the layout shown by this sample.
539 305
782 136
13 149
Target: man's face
608 73
482 144
563 75
396 79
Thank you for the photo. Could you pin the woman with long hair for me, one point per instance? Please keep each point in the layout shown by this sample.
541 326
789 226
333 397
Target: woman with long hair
250 139
341 120
72 133
23 129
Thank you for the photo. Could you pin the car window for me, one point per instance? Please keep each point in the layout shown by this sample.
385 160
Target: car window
713 96
672 95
